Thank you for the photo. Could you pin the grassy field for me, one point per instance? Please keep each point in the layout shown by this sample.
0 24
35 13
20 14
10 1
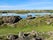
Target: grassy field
27 26
7 30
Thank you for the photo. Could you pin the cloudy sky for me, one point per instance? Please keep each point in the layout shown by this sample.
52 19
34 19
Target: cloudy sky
25 4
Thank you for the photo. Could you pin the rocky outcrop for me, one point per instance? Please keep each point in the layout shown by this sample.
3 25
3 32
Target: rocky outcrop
24 36
30 17
10 19
1 22
27 36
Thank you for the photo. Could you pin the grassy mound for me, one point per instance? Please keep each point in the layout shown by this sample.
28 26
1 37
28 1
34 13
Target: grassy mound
37 24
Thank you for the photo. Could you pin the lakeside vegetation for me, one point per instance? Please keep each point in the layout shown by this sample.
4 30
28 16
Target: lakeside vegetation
26 11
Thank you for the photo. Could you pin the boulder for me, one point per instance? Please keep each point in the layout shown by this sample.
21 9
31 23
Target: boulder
30 17
1 22
11 19
26 38
48 21
38 38
33 33
21 34
50 33
12 37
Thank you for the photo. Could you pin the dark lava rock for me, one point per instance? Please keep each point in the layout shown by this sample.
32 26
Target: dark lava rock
30 17
11 19
1 22
12 37
26 35
38 38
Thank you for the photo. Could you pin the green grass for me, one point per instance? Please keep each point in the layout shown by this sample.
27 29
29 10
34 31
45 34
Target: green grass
7 30
27 26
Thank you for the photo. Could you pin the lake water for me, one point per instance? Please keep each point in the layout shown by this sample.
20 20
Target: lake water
23 15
